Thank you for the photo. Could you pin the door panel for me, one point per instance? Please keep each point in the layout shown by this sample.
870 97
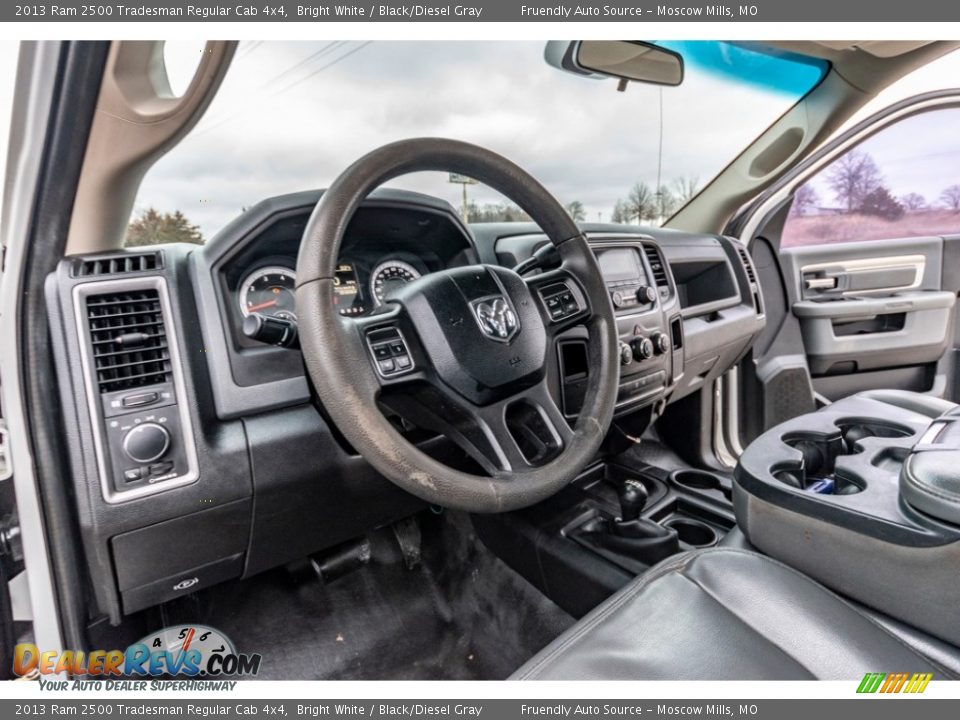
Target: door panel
870 306
882 316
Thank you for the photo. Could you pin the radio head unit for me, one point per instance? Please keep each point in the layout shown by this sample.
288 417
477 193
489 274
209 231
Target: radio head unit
625 277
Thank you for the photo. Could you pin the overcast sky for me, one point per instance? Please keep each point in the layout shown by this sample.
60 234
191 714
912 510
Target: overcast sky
291 116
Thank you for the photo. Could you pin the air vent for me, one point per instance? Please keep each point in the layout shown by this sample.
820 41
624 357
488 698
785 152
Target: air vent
115 264
657 267
128 339
747 264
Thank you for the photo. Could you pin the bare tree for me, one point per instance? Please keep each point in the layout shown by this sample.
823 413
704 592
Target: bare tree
804 198
620 212
666 202
684 189
641 203
576 211
951 198
913 202
853 177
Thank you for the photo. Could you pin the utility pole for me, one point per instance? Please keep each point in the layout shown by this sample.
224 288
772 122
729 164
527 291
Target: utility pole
463 180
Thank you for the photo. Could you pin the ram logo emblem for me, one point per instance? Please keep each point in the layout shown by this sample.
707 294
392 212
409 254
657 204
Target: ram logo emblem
496 318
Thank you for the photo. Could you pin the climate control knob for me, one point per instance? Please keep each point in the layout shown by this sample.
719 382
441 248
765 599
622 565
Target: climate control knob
661 343
146 443
626 354
616 297
642 348
646 294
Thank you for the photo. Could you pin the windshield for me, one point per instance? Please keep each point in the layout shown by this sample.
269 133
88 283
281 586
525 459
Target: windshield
291 116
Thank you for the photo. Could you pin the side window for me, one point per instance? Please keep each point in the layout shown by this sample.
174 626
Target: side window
902 182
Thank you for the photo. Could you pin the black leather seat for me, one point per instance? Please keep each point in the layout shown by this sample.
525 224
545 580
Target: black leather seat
721 614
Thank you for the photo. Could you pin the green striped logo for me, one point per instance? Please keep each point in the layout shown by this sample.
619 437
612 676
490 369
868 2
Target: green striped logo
894 682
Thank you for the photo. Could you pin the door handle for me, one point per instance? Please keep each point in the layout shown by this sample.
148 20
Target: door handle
827 283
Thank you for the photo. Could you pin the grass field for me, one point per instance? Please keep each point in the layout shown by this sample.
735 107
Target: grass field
824 229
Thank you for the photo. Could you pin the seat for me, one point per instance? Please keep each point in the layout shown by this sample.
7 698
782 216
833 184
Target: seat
912 401
725 614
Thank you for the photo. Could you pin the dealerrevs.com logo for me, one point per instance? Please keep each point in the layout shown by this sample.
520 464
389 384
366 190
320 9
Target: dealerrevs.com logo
193 651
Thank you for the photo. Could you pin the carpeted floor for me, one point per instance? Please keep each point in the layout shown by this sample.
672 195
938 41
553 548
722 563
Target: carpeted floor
462 614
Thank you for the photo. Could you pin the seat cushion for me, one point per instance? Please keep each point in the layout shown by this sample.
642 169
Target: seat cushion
724 614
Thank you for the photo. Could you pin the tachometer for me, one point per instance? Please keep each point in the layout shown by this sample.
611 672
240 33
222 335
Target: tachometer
269 291
388 277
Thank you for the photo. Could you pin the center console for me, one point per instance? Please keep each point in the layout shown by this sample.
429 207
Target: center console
862 495
651 335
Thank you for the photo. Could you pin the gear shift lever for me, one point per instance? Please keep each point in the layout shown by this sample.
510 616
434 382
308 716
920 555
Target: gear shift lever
633 496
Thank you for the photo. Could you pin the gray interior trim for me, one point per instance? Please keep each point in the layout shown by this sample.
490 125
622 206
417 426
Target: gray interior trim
80 293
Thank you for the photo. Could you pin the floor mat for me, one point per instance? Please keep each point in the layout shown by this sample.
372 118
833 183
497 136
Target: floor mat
461 614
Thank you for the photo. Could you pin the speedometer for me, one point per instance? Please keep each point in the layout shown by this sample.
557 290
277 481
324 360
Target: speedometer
388 277
269 291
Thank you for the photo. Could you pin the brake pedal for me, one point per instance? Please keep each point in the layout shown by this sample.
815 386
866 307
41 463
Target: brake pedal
407 533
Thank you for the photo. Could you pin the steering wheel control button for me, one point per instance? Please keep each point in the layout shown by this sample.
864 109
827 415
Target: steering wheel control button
390 352
146 443
559 301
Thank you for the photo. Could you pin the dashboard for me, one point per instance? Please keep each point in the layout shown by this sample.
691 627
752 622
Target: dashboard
250 267
190 434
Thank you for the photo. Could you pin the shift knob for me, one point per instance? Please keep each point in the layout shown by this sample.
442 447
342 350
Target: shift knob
633 498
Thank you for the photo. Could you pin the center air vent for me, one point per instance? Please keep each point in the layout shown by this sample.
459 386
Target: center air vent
747 264
128 339
657 267
114 264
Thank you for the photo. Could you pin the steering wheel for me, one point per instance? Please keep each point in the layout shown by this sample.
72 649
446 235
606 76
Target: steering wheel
463 352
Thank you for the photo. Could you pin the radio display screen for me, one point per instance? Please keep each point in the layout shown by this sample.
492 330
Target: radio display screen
619 264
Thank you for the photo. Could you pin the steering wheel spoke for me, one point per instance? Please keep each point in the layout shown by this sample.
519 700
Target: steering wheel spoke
514 435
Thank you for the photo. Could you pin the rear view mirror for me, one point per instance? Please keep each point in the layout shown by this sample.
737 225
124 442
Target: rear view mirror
623 59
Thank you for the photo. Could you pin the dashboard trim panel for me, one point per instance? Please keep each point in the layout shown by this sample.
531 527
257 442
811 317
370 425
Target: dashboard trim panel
80 293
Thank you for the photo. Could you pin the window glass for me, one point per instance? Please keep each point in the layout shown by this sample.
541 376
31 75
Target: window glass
902 182
291 116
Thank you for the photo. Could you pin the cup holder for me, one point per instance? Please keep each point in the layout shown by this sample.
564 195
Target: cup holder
693 532
700 480
855 429
827 484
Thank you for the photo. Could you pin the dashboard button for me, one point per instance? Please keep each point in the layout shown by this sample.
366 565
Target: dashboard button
146 442
160 468
387 365
132 474
398 348
382 351
403 362
139 399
